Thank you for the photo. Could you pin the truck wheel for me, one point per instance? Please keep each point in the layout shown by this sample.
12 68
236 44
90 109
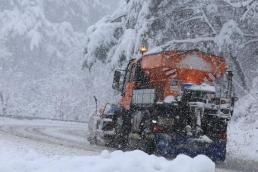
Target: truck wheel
150 147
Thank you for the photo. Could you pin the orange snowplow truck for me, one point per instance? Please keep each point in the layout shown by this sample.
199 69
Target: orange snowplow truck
167 72
174 102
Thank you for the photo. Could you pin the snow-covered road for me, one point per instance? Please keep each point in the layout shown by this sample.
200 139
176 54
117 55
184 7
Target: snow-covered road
70 138
66 134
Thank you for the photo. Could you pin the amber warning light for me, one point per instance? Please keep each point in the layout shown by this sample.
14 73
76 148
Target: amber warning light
143 50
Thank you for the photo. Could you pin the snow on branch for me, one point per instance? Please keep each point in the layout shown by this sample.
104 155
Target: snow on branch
194 40
249 42
239 3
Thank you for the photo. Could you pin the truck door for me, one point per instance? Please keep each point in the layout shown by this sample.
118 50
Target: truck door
129 84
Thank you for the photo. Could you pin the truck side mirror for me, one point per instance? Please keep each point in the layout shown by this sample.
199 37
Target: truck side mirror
116 80
96 103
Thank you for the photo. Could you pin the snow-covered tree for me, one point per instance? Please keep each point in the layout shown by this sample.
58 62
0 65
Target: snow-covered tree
41 53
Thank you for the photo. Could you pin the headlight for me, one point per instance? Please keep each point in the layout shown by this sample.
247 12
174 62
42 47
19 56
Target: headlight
154 122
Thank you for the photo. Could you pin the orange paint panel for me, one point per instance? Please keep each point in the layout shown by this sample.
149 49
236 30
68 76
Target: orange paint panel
187 67
150 62
126 100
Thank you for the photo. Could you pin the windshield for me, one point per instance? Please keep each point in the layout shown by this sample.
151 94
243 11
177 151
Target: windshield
191 95
110 109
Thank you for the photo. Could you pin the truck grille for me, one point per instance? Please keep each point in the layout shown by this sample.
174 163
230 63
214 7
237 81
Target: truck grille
143 96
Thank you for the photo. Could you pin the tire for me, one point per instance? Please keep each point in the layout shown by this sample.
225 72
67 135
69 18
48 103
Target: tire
150 147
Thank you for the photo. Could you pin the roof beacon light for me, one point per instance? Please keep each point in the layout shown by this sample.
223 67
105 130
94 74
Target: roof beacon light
143 50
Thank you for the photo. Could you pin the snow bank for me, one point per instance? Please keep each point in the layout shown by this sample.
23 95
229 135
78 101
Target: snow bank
242 142
243 128
14 159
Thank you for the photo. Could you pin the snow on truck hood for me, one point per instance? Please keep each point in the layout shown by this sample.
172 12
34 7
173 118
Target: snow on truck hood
202 87
22 158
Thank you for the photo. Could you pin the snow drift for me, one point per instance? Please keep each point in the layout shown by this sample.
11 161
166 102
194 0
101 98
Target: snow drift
20 158
243 129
